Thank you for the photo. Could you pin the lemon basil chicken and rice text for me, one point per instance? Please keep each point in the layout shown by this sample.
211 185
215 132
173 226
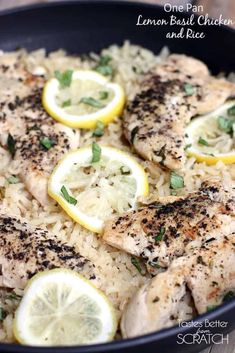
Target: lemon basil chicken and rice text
116 194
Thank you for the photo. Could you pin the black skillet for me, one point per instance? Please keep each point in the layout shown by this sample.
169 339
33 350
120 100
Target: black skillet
83 26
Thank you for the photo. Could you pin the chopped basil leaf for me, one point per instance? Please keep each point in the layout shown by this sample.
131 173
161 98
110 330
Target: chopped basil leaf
225 125
160 234
14 296
99 130
105 70
202 141
105 59
176 181
13 179
33 128
11 144
231 111
66 103
103 66
189 89
136 263
64 78
103 95
211 307
229 295
96 152
125 170
187 146
3 314
92 102
154 264
67 197
47 143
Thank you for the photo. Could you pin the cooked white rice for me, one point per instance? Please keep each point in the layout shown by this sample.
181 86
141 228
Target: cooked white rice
119 279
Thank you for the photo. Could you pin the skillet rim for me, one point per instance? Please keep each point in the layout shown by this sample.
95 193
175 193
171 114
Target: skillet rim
153 337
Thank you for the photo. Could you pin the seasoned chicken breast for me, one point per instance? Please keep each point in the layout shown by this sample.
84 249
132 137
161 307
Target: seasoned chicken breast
26 250
23 118
162 231
209 273
169 97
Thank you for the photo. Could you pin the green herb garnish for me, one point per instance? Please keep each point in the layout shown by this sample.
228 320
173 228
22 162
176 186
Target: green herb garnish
189 89
14 296
66 103
64 78
99 130
3 314
136 263
154 264
96 152
67 197
160 234
11 144
231 111
187 146
13 179
103 95
225 124
228 296
47 143
125 170
103 66
202 141
176 181
211 307
92 102
33 128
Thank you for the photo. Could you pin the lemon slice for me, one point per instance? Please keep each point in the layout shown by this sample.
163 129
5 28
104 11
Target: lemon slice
61 307
96 182
88 98
210 138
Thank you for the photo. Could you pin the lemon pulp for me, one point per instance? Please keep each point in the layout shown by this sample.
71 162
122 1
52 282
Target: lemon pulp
61 307
210 138
99 190
89 98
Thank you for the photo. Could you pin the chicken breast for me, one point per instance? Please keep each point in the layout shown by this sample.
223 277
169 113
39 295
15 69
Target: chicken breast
209 273
169 97
162 231
23 118
26 250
